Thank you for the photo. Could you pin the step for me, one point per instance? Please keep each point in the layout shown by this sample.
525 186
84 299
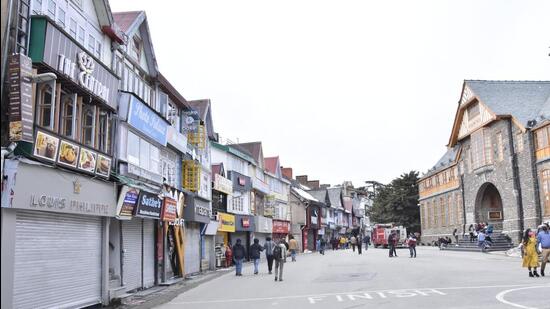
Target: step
118 292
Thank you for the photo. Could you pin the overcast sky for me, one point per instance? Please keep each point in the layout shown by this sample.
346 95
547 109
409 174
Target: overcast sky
343 90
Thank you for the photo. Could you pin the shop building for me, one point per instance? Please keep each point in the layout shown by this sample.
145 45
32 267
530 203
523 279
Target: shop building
279 197
324 229
57 199
495 166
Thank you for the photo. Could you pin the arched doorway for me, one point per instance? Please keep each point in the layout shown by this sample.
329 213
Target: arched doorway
489 205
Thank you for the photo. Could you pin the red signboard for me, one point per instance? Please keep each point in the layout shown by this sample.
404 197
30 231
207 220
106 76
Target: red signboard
170 210
281 227
246 222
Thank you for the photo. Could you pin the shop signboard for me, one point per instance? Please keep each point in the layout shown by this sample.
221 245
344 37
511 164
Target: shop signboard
176 139
245 222
223 184
226 222
20 104
61 53
127 201
149 205
146 121
191 121
169 210
281 227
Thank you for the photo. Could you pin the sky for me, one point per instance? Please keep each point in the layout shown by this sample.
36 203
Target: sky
343 90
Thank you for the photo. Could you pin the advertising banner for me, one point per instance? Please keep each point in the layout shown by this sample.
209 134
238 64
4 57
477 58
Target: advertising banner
170 210
146 121
226 222
20 104
281 227
127 201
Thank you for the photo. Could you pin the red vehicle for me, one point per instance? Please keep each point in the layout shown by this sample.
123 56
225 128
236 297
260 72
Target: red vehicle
381 232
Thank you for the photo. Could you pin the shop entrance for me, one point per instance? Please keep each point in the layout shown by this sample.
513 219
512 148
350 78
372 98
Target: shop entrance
489 206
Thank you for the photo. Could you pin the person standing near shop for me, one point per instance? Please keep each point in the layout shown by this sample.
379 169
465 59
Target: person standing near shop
279 254
228 255
293 247
255 252
239 254
268 247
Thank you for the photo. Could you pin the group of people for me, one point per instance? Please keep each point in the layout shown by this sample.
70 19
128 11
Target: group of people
482 233
533 244
274 252
354 241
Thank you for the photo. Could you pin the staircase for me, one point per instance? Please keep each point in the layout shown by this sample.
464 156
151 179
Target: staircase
500 243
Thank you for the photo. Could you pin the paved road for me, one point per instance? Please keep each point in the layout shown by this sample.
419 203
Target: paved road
342 279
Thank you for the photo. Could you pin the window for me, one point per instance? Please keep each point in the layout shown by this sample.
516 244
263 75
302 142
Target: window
154 156
473 111
435 213
545 175
481 148
144 154
51 9
88 125
488 149
37 7
104 133
542 138
237 203
450 210
163 102
91 43
73 27
45 106
98 48
61 17
168 163
68 112
136 47
133 148
81 35
500 147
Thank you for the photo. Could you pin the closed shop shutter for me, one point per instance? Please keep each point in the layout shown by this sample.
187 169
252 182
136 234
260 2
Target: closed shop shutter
148 252
207 250
131 243
57 260
192 248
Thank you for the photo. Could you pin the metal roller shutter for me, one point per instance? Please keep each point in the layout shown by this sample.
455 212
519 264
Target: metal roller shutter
192 248
148 253
57 260
131 242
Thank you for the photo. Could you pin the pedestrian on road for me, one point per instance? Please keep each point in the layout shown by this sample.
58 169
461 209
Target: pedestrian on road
268 247
322 245
543 239
392 241
411 242
228 255
293 247
353 242
359 243
279 254
255 253
238 256
343 242
455 235
529 252
318 245
367 242
480 238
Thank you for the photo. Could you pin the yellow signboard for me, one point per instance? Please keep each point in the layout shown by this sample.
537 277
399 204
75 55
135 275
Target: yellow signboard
227 222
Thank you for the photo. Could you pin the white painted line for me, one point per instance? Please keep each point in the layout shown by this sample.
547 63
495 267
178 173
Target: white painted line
500 296
318 296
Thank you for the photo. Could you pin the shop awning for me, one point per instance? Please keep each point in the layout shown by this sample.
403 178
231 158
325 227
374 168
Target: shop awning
211 228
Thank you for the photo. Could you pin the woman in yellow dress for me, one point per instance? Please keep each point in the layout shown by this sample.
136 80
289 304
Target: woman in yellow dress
530 256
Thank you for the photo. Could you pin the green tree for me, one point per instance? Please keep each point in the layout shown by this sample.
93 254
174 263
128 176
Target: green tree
398 203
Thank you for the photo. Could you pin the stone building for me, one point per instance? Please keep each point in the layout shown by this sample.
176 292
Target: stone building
496 168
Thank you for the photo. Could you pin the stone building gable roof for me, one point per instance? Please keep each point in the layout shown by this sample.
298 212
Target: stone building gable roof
448 159
320 195
523 100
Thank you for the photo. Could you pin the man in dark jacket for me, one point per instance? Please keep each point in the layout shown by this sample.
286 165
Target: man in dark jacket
255 251
238 255
268 247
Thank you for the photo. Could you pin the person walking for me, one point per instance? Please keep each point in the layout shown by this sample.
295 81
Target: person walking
543 239
255 253
359 244
279 254
529 253
293 247
268 247
367 242
480 238
238 256
322 245
455 235
411 243
353 242
343 242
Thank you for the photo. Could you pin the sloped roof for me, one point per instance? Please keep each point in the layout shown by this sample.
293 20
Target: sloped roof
448 159
320 195
126 19
524 100
303 194
271 164
253 148
334 195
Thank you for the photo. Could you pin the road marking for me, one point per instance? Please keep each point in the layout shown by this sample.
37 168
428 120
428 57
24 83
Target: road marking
500 296
318 297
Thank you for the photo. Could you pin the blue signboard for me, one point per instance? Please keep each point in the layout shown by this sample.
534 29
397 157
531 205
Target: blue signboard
146 121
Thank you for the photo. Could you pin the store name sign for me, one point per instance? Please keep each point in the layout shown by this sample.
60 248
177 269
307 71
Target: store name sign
223 184
147 121
203 211
46 202
149 205
84 77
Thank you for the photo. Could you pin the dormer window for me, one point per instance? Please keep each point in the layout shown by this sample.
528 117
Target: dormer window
473 111
136 47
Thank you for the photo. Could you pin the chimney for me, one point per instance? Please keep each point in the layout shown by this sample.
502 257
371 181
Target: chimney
287 172
302 179
313 184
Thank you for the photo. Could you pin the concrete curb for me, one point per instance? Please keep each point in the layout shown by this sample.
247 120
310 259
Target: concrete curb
170 292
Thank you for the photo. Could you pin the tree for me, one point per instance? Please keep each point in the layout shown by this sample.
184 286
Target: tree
398 203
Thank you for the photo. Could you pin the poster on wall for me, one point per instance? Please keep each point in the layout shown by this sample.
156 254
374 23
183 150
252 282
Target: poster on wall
127 201
20 105
68 154
103 167
46 146
87 161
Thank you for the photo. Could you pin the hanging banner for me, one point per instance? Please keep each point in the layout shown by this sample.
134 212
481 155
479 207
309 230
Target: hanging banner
170 210
127 201
20 105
